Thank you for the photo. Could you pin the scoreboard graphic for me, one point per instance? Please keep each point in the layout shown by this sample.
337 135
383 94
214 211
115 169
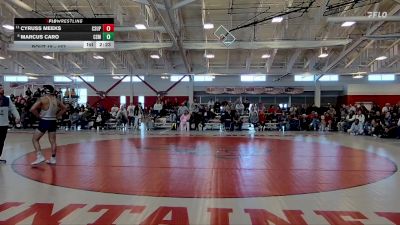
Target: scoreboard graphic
64 33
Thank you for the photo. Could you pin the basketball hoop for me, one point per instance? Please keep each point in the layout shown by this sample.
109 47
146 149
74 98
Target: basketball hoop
224 36
101 94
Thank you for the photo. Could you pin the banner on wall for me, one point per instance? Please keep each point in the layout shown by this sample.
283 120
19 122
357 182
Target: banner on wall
255 90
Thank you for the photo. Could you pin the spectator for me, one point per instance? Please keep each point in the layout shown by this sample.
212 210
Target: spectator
137 113
114 111
131 118
122 116
28 92
237 121
158 106
239 107
246 104
360 116
254 118
356 128
184 121
261 119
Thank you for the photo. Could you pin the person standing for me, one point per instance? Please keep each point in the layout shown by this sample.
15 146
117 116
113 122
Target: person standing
50 109
6 105
138 112
131 111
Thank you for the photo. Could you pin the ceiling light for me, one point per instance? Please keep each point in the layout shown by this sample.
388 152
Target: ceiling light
117 77
154 56
348 24
208 26
8 27
1 57
98 57
266 56
164 77
140 26
210 56
323 55
358 76
277 19
48 57
380 58
32 78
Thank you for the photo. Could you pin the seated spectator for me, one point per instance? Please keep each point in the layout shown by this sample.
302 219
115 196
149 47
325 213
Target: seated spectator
226 119
377 128
239 107
74 118
283 121
386 108
114 111
217 106
172 118
237 121
387 118
271 109
346 124
158 106
122 116
390 131
304 122
98 122
360 116
294 122
246 104
356 128
315 121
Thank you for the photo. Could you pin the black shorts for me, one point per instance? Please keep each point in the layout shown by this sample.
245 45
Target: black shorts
47 125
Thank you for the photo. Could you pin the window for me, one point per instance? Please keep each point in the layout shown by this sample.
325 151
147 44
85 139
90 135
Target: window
327 77
15 79
304 77
176 78
141 100
81 92
381 77
136 79
122 100
203 78
253 78
62 79
283 106
89 79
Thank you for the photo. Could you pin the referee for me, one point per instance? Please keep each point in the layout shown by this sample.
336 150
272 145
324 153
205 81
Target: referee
6 106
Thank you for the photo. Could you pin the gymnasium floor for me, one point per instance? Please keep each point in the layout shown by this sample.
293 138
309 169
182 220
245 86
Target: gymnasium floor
164 177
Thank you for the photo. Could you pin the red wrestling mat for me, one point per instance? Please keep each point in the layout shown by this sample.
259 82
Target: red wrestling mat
210 167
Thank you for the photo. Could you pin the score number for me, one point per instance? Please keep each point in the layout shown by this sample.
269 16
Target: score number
108 27
108 32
